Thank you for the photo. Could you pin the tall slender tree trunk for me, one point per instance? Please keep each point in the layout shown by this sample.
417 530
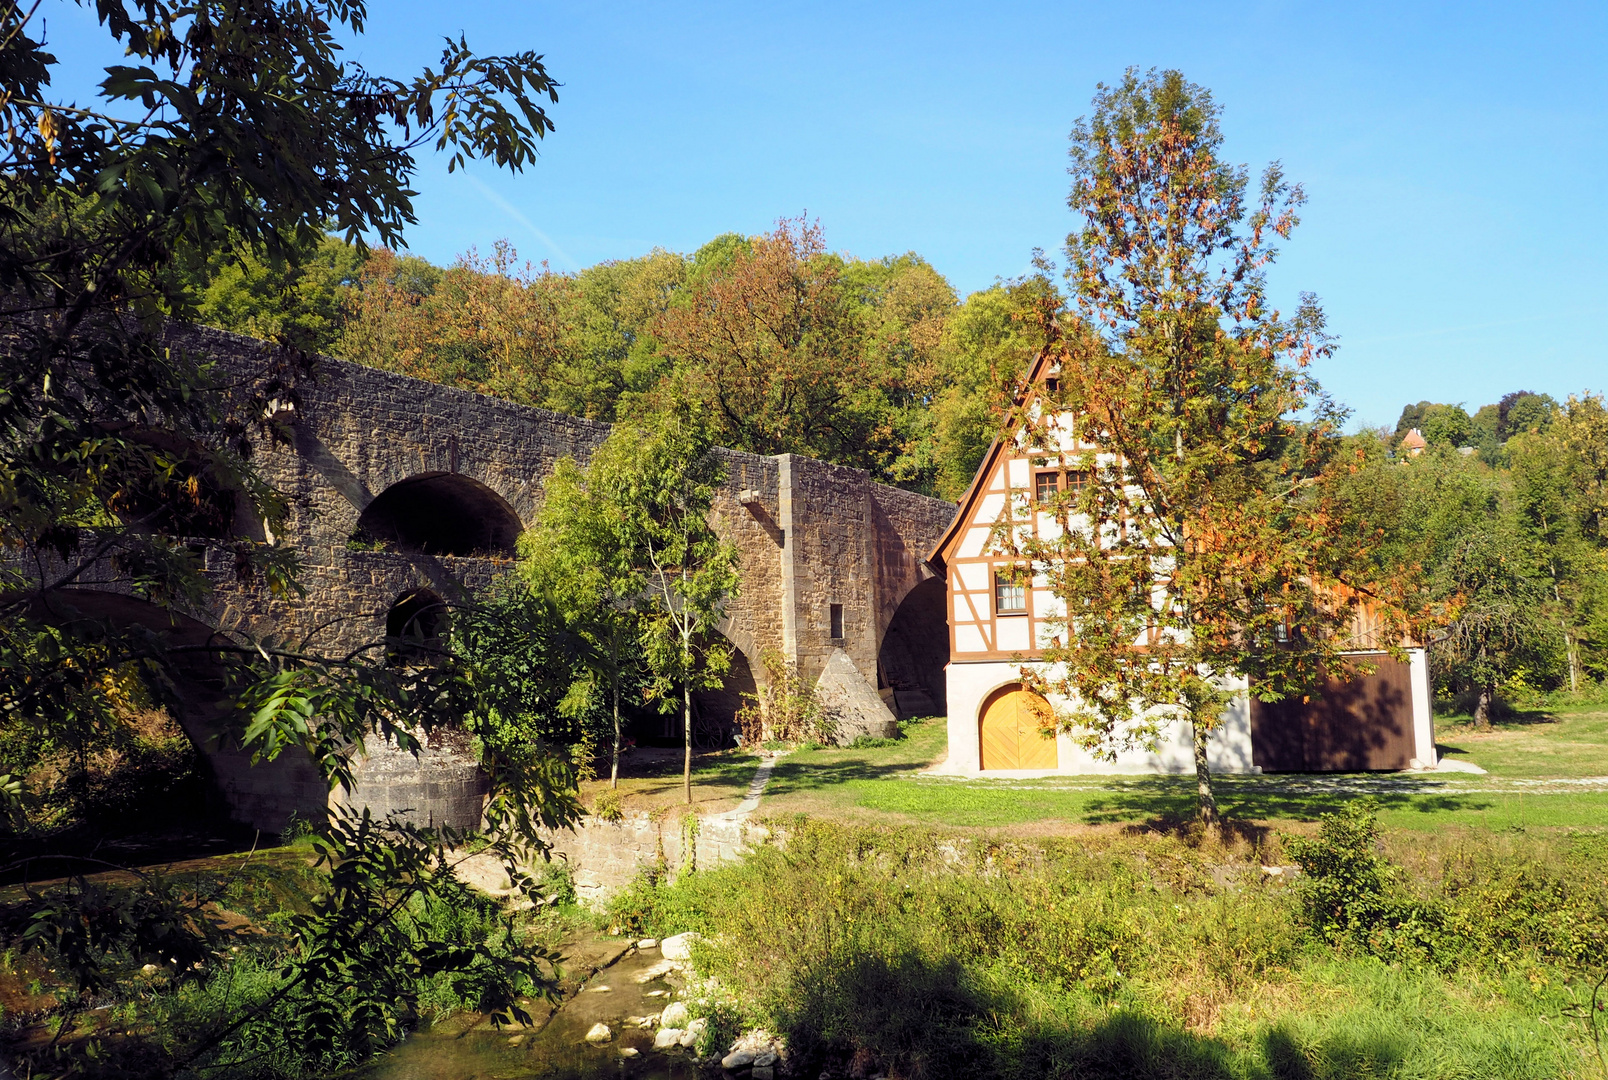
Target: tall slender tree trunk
614 769
686 728
1482 707
1569 646
686 709
1203 779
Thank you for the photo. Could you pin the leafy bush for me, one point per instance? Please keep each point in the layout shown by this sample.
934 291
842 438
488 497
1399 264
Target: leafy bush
606 805
1350 894
871 742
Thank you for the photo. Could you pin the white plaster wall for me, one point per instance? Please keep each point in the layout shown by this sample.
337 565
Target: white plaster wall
1423 709
969 684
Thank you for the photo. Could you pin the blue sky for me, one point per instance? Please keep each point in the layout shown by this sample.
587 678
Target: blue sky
1453 154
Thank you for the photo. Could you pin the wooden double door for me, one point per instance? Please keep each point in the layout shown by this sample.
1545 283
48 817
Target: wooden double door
1009 735
1358 722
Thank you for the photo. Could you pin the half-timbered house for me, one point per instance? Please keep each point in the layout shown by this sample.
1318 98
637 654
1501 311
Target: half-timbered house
1000 620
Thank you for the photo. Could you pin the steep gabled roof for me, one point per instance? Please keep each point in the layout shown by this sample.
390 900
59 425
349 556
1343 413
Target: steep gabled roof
968 501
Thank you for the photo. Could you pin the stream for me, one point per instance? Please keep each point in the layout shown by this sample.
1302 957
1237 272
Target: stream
468 1048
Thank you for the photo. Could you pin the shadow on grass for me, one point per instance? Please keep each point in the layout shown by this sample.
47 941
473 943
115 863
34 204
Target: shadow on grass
657 771
909 1016
793 775
1168 804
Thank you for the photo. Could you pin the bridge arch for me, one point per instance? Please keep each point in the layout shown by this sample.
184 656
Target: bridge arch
715 710
196 501
441 513
914 651
263 795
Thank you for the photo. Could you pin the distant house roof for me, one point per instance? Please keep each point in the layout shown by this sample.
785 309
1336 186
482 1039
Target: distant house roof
1413 442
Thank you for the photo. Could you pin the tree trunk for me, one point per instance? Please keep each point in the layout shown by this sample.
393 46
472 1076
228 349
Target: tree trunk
686 728
1203 780
614 769
1569 646
1482 707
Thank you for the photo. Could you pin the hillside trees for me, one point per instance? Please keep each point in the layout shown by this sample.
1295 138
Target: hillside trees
1199 542
232 125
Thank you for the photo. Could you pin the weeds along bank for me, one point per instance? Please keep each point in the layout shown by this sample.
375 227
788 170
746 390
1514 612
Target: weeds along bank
882 951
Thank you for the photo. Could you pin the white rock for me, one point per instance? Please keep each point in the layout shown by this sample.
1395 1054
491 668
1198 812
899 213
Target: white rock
679 947
657 993
657 971
599 1034
629 1051
694 1032
764 1059
598 989
648 943
674 1015
667 1037
737 1059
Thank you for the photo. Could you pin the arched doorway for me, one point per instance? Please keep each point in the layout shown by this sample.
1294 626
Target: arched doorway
1009 735
441 514
915 650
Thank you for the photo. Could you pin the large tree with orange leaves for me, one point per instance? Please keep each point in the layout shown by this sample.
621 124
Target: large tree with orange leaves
1202 541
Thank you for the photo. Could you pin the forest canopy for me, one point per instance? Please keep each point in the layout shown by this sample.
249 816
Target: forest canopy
789 346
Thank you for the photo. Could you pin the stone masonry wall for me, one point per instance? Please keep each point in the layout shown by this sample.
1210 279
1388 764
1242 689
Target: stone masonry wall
810 534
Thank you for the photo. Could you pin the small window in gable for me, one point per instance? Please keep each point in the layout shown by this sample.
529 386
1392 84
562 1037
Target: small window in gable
837 620
1045 485
1010 595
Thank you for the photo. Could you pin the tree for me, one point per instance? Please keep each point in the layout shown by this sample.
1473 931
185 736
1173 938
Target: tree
984 353
1196 540
666 478
581 554
232 125
484 324
770 341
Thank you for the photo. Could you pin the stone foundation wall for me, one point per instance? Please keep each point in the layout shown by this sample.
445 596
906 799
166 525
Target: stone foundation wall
605 857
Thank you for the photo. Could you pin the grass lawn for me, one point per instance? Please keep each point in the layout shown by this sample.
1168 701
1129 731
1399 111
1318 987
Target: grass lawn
1569 742
650 779
889 785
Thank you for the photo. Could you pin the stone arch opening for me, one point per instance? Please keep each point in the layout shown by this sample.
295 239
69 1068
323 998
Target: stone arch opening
416 626
186 495
441 513
199 695
915 650
714 712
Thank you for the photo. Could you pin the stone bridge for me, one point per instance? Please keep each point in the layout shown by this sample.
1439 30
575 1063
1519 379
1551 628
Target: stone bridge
406 494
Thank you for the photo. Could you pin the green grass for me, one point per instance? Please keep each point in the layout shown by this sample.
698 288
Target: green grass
1126 957
650 779
889 785
1567 742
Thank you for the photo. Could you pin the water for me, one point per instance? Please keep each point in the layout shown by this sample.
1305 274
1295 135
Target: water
468 1049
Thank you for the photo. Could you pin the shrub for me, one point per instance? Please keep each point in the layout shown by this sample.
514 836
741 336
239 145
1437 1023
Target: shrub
1350 894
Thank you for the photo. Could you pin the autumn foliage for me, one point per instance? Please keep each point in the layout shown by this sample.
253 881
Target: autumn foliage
1205 543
